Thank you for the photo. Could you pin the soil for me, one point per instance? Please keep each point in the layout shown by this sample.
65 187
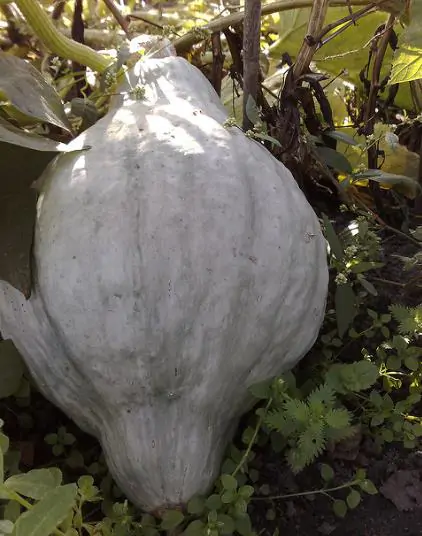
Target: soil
376 515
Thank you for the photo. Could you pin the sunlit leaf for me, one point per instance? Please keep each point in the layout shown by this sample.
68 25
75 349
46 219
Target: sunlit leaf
45 516
29 92
36 483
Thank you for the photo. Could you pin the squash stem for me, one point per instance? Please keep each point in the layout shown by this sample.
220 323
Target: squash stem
55 41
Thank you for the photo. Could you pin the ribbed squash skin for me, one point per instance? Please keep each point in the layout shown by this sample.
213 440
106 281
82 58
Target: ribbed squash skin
176 263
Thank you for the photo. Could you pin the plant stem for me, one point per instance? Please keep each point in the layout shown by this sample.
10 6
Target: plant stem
252 441
55 41
184 43
251 50
307 493
311 42
114 10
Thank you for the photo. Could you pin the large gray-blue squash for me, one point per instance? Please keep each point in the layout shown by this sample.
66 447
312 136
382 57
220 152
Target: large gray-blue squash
176 263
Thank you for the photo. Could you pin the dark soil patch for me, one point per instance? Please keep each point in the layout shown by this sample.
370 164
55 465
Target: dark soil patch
375 516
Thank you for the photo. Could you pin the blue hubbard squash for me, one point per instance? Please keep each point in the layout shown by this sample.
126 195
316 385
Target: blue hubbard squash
176 263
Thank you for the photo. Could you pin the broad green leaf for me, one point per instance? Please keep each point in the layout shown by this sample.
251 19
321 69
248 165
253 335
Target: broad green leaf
171 519
340 136
243 525
368 487
266 137
406 185
196 506
12 511
368 286
327 472
365 266
407 62
28 92
213 502
345 303
261 390
195 528
228 524
340 508
252 112
228 496
352 377
36 483
45 516
407 65
16 136
353 499
11 369
334 159
229 482
6 526
412 363
246 491
332 238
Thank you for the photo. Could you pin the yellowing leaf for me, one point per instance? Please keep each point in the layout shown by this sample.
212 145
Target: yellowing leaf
407 65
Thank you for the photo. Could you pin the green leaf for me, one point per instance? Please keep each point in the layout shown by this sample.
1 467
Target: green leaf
412 363
229 482
377 419
340 508
266 137
368 487
29 92
45 516
402 183
12 511
213 502
195 528
334 159
246 492
6 526
196 506
407 65
228 524
327 472
353 499
365 267
243 525
171 519
352 377
11 367
332 238
393 362
228 496
340 136
261 390
368 286
36 483
345 303
251 109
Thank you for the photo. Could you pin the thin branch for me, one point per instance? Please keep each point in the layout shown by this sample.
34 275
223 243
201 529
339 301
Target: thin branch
217 63
185 42
311 41
251 50
114 10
